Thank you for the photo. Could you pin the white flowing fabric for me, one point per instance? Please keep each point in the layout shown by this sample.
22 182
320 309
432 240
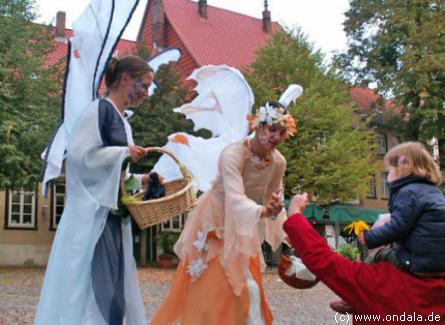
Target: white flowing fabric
224 100
92 181
95 34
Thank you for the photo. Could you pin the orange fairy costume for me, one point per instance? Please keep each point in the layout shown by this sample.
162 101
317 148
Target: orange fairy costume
218 280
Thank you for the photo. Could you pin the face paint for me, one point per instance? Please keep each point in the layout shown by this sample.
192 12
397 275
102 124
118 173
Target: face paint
139 90
269 136
136 92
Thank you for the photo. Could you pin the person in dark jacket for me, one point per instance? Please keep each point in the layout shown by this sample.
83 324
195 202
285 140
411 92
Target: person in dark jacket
155 189
379 293
417 207
417 223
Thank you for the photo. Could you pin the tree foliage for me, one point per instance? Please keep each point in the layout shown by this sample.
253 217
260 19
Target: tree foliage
400 45
28 106
330 156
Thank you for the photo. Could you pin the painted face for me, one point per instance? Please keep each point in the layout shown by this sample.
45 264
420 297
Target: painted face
138 89
393 173
270 136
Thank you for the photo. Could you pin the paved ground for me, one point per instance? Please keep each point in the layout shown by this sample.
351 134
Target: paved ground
19 290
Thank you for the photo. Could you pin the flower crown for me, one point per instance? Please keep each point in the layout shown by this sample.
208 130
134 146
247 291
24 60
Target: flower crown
270 115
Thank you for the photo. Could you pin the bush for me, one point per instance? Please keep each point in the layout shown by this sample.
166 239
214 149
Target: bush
348 251
166 242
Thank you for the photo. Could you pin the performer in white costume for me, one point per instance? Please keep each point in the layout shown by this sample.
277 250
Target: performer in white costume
91 276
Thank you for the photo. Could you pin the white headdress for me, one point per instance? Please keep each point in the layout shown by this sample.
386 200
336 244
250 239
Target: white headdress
276 114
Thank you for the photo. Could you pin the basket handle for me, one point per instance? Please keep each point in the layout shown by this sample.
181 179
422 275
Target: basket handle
182 167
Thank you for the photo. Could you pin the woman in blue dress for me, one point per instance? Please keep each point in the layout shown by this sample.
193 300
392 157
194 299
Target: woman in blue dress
91 276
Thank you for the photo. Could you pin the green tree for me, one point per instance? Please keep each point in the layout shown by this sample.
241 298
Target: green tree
28 103
400 45
330 156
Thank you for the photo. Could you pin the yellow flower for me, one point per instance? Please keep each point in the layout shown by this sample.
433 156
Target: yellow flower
357 227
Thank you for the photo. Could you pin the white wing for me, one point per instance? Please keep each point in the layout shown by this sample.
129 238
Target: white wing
291 94
224 100
96 33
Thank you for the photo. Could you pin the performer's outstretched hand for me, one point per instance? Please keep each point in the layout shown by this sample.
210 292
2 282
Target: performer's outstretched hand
273 207
136 152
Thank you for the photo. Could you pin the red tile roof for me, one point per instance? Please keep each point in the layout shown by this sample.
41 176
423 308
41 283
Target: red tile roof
369 102
60 48
226 37
365 98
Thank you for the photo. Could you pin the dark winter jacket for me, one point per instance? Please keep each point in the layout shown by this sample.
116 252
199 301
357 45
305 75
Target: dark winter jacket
417 224
155 189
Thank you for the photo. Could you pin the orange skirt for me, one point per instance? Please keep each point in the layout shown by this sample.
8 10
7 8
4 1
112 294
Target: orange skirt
209 300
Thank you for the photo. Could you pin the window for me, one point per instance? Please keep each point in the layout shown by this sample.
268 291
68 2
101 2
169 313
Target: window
384 185
397 141
21 209
176 224
382 143
57 203
371 189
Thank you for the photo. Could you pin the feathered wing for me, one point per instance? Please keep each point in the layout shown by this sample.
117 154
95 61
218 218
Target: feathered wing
291 94
224 100
95 36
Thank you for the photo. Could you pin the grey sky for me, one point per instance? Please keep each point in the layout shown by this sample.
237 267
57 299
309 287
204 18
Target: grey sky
321 20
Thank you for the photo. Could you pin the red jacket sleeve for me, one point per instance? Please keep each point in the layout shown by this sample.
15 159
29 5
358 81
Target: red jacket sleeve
341 275
370 288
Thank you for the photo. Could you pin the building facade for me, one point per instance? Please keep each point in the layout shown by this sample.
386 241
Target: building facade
205 35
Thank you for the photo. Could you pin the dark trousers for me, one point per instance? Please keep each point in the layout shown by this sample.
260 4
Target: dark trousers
387 254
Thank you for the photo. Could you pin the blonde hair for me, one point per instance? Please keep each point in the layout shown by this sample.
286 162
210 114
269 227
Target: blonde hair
413 158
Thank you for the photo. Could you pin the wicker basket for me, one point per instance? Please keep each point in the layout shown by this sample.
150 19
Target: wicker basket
293 281
179 198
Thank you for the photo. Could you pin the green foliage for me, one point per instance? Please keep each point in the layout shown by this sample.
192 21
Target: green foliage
400 45
330 156
28 106
349 251
131 184
167 241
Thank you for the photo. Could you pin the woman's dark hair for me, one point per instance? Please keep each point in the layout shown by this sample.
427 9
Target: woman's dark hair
277 104
130 64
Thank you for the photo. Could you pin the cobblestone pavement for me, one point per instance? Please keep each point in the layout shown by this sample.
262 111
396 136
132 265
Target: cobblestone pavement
20 287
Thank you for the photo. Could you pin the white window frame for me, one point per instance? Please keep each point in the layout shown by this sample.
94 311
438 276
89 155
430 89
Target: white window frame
382 139
54 205
169 224
21 203
372 193
384 185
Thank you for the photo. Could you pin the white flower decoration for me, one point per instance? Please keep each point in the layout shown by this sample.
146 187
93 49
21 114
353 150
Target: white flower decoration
262 114
196 268
201 244
267 114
